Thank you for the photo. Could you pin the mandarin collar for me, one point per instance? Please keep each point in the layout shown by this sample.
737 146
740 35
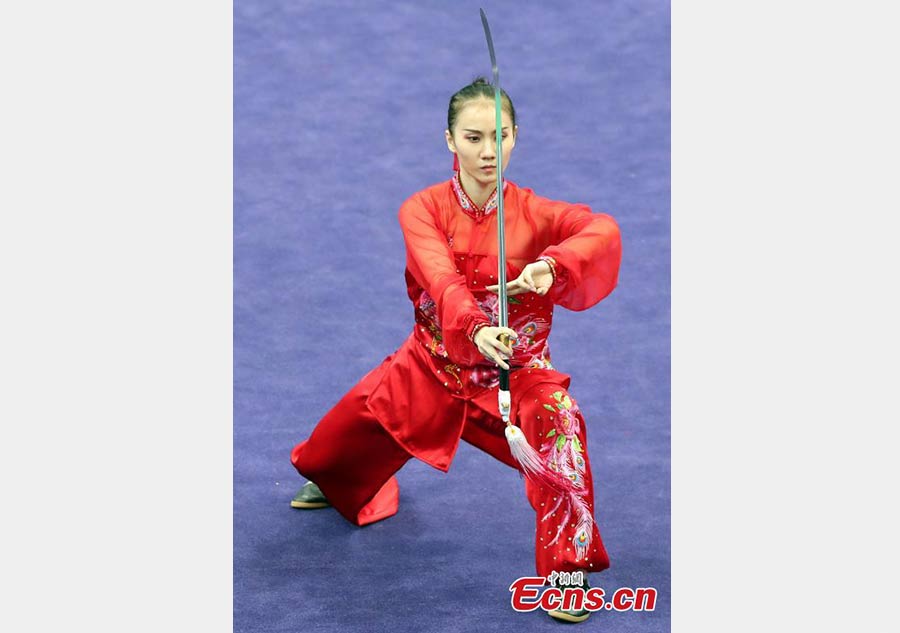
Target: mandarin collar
469 207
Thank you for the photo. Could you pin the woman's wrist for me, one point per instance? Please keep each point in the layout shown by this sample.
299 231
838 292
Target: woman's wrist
551 263
475 329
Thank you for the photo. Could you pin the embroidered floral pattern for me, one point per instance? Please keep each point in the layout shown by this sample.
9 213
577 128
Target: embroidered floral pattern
529 315
470 207
564 454
454 371
428 327
530 349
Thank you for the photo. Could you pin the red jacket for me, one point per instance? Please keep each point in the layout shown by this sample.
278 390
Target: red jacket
422 392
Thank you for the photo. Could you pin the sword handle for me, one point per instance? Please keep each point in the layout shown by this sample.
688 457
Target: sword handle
504 373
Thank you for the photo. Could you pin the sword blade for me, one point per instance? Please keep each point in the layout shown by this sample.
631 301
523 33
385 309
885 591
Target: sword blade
490 43
501 224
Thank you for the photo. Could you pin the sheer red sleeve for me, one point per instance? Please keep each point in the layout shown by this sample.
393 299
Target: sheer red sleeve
587 249
430 261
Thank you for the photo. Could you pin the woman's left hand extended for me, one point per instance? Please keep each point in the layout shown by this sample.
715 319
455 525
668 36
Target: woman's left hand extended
536 277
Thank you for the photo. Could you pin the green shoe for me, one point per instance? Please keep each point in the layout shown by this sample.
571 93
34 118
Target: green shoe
309 497
571 615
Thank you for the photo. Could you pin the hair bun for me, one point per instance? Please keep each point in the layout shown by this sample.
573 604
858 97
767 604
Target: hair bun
480 88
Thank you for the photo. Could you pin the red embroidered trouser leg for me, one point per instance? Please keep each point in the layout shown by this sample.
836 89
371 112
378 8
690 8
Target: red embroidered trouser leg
566 535
352 459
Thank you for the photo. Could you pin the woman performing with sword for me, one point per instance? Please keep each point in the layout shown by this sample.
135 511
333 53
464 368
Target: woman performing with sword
442 384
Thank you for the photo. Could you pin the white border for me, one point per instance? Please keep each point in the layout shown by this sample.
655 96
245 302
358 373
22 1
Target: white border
115 241
784 316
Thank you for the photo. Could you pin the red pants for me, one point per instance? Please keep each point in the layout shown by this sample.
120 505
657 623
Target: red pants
353 459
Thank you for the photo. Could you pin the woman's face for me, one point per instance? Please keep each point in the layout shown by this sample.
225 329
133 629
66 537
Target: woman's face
474 140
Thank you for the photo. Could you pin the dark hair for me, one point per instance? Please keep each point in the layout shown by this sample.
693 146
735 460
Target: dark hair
475 90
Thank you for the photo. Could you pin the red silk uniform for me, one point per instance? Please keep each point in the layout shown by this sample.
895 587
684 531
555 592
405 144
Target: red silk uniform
438 388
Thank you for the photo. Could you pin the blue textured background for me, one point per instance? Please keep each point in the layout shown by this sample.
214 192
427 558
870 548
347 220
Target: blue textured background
339 112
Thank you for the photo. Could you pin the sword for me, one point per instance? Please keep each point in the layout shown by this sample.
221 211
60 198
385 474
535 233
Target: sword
503 397
533 466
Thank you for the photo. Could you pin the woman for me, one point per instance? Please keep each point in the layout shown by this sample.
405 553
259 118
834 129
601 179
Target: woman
441 384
